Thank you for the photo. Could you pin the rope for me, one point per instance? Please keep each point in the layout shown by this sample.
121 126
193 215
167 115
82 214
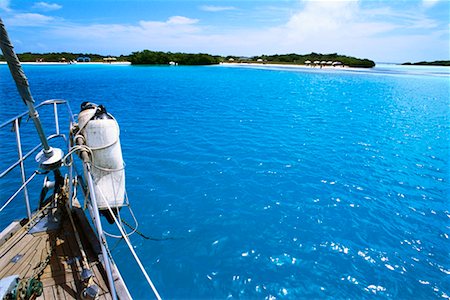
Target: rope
13 62
74 149
146 236
129 207
136 257
118 224
91 150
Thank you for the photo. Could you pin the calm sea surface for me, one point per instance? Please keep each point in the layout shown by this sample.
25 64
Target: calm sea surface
267 183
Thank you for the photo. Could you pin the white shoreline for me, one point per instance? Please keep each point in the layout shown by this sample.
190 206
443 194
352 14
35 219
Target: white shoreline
117 63
379 70
292 66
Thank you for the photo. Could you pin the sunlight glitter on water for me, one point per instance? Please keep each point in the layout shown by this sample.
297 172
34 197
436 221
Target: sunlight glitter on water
277 183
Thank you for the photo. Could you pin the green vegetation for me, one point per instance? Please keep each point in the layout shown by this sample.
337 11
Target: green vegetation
445 63
148 57
294 58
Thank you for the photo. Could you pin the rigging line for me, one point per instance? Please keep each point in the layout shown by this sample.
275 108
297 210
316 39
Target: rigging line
136 257
100 235
110 234
19 190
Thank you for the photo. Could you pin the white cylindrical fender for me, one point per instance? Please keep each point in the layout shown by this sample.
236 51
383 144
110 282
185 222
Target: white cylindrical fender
101 133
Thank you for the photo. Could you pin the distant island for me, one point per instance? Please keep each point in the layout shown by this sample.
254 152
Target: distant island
148 57
309 59
445 63
67 57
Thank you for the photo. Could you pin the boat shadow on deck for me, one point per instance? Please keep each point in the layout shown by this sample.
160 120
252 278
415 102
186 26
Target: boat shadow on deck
55 249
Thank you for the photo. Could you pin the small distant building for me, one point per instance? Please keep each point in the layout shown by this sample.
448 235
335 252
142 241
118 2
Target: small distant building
84 59
172 63
231 59
259 60
109 59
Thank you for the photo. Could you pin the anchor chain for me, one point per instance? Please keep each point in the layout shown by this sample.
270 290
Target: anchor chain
26 288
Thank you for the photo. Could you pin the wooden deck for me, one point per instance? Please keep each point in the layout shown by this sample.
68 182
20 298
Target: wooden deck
61 277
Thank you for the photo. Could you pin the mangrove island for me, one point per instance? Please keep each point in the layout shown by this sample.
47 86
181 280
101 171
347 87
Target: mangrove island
148 57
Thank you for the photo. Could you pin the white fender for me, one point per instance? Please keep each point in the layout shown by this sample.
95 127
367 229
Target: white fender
102 137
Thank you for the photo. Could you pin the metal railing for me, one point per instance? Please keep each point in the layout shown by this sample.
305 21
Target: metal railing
86 184
72 172
20 163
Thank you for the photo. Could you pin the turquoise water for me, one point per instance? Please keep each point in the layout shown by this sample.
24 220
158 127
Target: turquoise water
274 182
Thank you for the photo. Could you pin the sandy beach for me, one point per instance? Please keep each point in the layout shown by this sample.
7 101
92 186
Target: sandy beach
291 66
226 64
78 63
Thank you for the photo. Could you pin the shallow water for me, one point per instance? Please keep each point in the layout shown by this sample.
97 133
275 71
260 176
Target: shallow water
274 182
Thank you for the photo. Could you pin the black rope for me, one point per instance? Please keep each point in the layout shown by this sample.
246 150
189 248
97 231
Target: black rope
116 244
146 236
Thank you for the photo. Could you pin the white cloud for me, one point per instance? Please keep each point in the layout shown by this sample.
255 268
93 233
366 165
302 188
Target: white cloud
215 8
429 3
409 19
47 6
4 5
179 20
28 20
327 26
346 27
122 39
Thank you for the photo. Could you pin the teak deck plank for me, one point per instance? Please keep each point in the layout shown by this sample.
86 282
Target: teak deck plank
61 276
25 248
48 293
32 258
6 255
11 242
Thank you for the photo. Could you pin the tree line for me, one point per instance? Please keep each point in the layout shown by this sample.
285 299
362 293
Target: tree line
148 57
294 58
162 58
62 56
445 63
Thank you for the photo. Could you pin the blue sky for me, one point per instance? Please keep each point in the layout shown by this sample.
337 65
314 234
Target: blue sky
385 31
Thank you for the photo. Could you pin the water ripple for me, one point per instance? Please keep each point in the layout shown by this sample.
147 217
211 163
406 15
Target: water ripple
276 184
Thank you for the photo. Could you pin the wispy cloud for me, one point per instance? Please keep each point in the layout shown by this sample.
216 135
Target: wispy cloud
381 32
28 20
4 5
45 6
429 3
167 35
328 25
180 20
215 8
